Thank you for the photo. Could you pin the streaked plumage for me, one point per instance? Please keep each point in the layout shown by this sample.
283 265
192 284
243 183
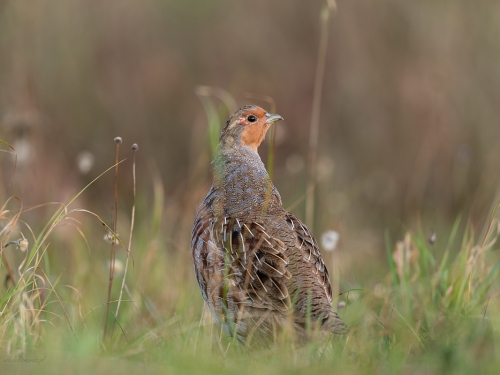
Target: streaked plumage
257 265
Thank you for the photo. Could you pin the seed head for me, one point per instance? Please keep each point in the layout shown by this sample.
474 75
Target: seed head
110 237
432 238
329 240
135 147
118 266
118 140
23 245
85 161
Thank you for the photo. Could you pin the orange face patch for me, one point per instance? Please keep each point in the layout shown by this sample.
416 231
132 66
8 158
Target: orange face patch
254 132
253 135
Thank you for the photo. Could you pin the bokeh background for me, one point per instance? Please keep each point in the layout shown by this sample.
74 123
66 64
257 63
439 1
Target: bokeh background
409 124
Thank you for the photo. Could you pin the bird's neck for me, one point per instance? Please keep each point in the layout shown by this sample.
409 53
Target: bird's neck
238 165
243 181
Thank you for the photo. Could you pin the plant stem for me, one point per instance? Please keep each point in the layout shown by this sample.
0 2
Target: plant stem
316 108
135 148
113 243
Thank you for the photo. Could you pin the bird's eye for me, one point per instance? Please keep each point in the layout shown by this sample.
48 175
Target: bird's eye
252 118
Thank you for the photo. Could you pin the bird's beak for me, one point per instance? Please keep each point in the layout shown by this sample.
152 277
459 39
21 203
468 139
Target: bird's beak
270 118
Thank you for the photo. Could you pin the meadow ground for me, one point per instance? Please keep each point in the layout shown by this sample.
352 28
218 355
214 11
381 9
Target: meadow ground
435 311
391 112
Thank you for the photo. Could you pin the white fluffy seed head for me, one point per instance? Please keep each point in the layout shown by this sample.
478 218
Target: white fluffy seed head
329 240
110 238
23 245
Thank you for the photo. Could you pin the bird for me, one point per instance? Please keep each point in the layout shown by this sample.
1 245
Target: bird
258 267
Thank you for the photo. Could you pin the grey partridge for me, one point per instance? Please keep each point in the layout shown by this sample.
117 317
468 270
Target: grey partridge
257 265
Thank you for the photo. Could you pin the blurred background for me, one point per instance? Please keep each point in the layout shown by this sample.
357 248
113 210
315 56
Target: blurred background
409 124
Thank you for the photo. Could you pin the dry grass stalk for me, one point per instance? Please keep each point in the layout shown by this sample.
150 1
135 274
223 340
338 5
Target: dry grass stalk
135 147
328 8
118 141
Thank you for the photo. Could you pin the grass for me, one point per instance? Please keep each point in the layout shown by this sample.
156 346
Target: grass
436 311
329 10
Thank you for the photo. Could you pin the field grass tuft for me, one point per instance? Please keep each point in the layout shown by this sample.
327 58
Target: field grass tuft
436 310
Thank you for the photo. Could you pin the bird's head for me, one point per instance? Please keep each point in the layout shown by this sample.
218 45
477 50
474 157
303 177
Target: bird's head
247 127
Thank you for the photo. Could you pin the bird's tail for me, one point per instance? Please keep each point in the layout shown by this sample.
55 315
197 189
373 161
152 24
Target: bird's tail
335 324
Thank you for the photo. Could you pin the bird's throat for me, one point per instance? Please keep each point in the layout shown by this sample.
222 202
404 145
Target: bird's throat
243 181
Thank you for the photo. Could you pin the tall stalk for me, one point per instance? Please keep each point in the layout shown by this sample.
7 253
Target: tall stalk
135 147
329 7
112 255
